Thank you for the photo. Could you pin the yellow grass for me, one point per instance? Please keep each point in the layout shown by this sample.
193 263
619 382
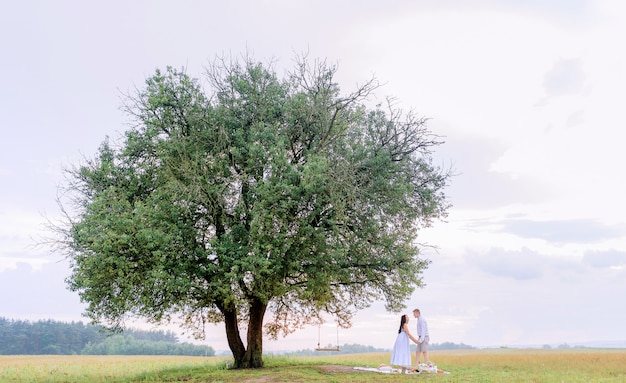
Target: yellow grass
516 365
501 365
92 368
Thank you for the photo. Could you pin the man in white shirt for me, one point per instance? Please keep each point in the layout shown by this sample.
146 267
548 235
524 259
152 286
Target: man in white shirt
423 337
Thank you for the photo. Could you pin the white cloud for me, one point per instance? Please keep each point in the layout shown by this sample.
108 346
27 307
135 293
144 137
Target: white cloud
42 292
565 77
607 258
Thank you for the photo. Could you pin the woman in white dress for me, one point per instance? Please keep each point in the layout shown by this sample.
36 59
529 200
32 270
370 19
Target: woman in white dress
401 354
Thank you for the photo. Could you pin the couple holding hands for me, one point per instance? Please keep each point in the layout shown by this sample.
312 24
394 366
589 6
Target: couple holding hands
401 354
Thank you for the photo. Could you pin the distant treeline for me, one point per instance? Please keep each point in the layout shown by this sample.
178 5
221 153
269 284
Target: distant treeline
447 346
360 349
345 349
20 337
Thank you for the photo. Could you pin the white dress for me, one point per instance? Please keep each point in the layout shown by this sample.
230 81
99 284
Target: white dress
401 354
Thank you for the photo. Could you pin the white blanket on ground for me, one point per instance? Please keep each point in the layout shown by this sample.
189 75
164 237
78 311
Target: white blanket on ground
385 369
430 367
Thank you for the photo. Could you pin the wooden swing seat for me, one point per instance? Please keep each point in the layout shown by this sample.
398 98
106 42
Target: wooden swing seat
320 348
328 349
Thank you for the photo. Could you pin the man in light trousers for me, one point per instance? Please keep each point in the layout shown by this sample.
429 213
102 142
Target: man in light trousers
423 337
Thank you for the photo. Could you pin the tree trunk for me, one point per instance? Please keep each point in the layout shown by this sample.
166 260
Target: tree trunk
254 354
233 337
252 357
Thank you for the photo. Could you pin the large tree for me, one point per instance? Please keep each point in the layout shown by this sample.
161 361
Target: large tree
259 194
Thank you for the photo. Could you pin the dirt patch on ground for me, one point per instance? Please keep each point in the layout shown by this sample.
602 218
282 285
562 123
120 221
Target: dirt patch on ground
331 369
263 379
336 369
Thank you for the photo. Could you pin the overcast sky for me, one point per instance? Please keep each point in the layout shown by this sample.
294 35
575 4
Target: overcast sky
529 94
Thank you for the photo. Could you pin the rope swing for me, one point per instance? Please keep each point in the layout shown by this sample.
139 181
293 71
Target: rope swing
319 347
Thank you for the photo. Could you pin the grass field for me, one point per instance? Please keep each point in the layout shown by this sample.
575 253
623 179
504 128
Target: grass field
502 365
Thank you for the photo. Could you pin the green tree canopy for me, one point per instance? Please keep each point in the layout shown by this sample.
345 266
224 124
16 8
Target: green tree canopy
259 194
